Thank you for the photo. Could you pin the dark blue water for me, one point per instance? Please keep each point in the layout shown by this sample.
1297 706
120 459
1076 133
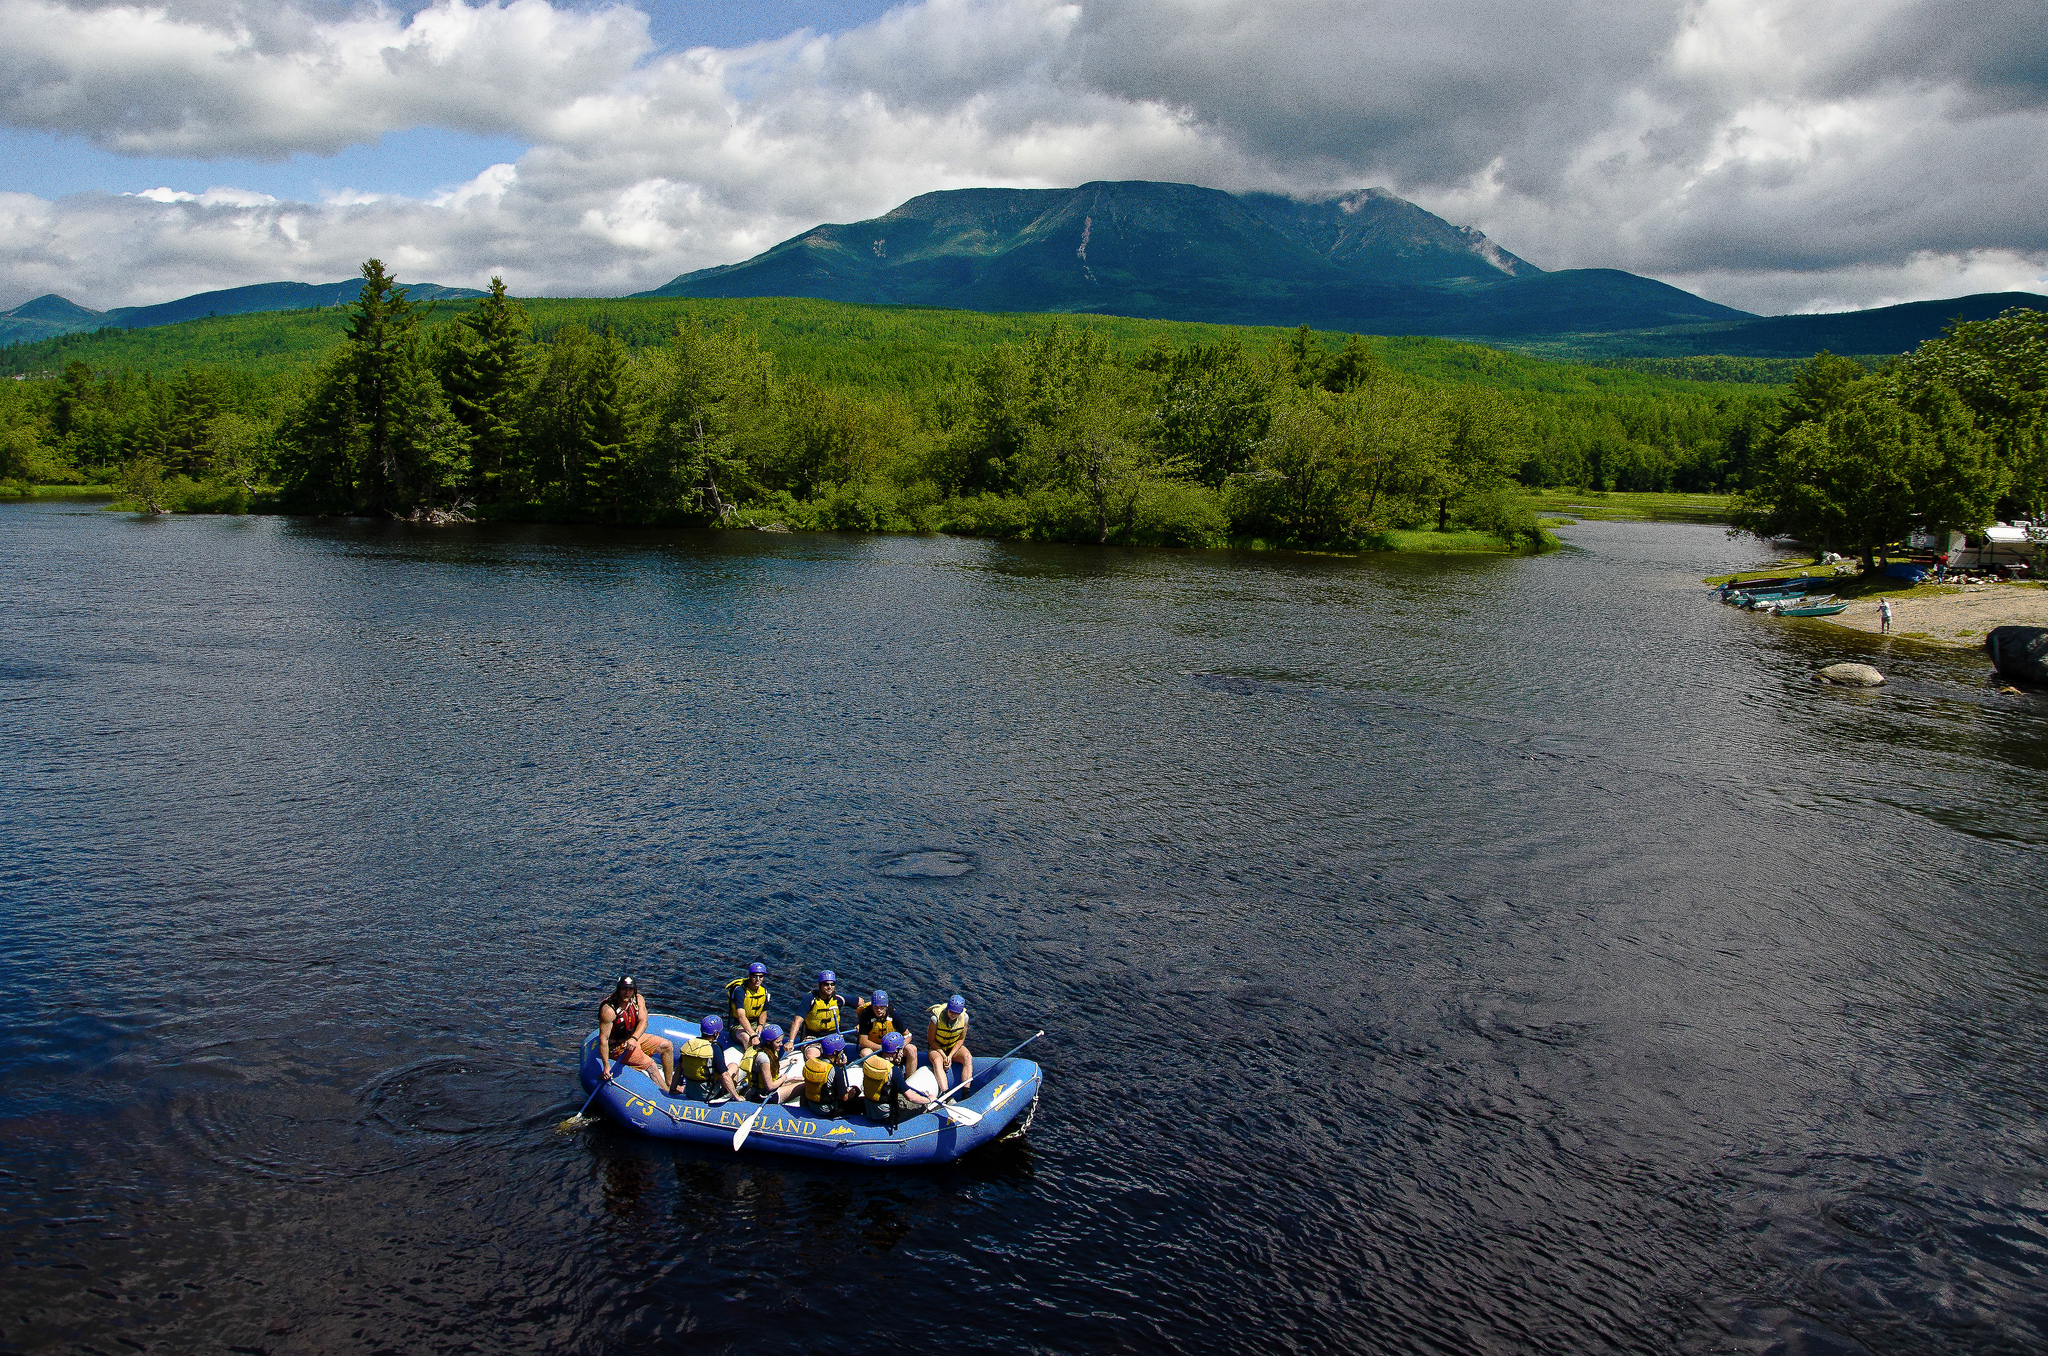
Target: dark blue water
1449 956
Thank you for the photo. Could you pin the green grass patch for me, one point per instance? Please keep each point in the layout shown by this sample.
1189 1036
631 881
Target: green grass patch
14 489
1632 505
1439 543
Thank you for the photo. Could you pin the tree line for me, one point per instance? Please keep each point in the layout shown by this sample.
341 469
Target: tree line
1054 432
1950 437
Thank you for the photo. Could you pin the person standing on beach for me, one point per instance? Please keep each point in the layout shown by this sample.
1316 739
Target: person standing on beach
1884 616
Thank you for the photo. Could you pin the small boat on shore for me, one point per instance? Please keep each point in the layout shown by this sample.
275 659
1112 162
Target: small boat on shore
1002 1098
1823 608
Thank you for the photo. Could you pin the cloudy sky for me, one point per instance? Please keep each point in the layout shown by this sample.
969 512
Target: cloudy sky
1771 154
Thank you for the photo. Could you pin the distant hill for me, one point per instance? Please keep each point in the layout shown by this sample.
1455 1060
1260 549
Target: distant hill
1368 262
50 315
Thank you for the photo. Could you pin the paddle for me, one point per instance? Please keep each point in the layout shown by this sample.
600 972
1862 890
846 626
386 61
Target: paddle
961 1115
577 1120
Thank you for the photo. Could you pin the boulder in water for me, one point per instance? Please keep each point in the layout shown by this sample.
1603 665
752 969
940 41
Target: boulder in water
1851 675
2019 652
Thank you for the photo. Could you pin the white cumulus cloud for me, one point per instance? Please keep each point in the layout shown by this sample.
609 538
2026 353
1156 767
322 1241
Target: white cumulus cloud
1774 154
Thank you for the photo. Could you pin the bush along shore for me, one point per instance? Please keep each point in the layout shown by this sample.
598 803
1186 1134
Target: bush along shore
1061 430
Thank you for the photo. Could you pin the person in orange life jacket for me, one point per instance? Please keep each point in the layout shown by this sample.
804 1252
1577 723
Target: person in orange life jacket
746 1001
877 1020
707 1063
945 1040
622 1034
828 1083
885 1086
767 1078
826 1013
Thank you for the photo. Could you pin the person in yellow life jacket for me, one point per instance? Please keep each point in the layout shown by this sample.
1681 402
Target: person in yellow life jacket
945 1040
826 1013
746 1002
622 1035
765 1072
828 1084
706 1064
877 1020
885 1085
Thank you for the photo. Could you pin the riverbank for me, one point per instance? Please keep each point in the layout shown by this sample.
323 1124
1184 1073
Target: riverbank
1956 616
1001 518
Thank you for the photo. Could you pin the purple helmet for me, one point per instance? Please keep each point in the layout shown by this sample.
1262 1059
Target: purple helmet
757 969
771 1035
892 1043
827 977
834 1044
956 1005
879 998
712 1026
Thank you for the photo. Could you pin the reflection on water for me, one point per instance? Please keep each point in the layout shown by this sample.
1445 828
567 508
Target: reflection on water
1436 955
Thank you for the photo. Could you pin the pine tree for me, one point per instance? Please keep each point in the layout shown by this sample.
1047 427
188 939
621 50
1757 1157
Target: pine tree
376 433
603 430
487 383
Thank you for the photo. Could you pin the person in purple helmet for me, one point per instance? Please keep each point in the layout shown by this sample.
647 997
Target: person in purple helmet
706 1063
828 1085
877 1020
945 1042
885 1081
746 1001
770 1078
825 1014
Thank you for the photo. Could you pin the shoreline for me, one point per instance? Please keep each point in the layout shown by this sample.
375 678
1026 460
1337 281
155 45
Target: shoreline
1957 619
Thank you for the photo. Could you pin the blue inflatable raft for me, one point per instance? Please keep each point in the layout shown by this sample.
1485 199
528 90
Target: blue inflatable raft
1004 1094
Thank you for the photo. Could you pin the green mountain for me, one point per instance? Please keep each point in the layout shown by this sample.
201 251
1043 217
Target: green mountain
1368 262
1879 332
50 315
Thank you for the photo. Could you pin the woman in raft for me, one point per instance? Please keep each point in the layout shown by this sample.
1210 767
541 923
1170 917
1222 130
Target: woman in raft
622 1035
945 1042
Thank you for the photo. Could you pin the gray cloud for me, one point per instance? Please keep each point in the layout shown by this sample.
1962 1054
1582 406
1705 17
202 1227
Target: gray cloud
1775 154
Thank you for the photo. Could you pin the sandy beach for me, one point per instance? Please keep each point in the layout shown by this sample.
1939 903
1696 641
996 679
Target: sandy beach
1960 619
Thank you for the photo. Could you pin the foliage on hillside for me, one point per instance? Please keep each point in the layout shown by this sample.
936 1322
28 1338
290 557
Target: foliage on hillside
1944 438
827 414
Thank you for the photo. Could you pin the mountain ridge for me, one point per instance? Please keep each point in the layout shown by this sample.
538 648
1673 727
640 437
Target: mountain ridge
1367 261
50 315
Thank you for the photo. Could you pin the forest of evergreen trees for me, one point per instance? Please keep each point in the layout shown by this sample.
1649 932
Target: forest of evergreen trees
1058 431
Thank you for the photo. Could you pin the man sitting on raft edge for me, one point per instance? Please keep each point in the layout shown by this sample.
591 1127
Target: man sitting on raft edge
622 1035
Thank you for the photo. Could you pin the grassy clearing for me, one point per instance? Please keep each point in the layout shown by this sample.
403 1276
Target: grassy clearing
1440 543
1631 505
16 490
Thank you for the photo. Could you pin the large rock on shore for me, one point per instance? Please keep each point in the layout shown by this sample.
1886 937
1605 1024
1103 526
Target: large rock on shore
1851 675
2019 652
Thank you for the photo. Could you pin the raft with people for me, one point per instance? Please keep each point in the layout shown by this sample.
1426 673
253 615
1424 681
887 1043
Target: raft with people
739 1080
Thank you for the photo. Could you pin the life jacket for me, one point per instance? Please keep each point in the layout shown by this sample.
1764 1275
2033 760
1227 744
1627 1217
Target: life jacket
826 1014
624 1018
876 1073
874 1026
740 999
774 1059
698 1060
947 1030
817 1079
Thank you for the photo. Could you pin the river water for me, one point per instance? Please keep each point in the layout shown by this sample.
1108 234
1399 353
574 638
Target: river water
1504 955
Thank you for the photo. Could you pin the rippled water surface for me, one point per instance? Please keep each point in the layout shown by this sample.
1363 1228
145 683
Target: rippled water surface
1436 955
